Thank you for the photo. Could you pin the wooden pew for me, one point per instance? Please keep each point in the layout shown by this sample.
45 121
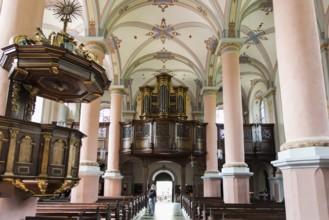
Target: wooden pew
118 208
202 208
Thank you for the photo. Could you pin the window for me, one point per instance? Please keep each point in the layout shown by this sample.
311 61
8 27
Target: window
261 112
220 116
104 115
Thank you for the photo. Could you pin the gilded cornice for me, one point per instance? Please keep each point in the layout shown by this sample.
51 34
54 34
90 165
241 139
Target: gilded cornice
311 142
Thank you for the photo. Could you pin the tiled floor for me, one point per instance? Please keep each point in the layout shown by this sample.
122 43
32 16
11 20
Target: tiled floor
164 211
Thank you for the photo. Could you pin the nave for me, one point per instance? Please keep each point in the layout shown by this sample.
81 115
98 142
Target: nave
164 211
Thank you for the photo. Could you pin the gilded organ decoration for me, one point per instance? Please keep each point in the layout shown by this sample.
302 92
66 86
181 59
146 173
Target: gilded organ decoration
25 150
58 152
163 100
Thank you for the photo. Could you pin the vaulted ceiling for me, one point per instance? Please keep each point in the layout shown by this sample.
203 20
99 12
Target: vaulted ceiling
181 37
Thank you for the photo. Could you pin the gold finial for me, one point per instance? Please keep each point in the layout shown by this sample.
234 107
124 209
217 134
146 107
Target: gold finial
66 10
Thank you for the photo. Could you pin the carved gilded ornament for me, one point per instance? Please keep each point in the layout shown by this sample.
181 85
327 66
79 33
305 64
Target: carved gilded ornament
63 186
15 97
45 155
312 142
18 183
42 184
54 69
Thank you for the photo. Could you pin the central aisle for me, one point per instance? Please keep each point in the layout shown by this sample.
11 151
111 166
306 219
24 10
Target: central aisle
164 211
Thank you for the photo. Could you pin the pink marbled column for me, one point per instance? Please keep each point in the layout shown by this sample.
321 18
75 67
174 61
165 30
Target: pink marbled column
112 184
89 171
17 17
211 178
304 157
232 99
301 74
235 172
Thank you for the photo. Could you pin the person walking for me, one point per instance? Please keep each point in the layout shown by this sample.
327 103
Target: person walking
152 194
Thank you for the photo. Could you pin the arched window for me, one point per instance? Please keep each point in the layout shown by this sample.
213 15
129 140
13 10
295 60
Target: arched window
219 116
261 112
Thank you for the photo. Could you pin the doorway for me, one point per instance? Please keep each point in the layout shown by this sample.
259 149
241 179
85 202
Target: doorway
164 182
164 191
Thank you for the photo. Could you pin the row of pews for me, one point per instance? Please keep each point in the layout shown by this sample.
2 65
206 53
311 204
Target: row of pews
211 208
108 208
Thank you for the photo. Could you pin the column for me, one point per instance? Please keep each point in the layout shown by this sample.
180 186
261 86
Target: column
89 170
112 183
17 17
304 156
211 177
235 171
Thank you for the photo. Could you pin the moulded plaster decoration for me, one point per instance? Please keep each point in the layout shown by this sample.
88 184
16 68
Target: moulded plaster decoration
164 55
202 11
163 4
123 10
163 31
256 36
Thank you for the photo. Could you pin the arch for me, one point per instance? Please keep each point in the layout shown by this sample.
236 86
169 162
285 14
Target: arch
160 170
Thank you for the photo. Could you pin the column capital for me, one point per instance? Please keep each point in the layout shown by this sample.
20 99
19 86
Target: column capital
230 44
209 91
117 89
